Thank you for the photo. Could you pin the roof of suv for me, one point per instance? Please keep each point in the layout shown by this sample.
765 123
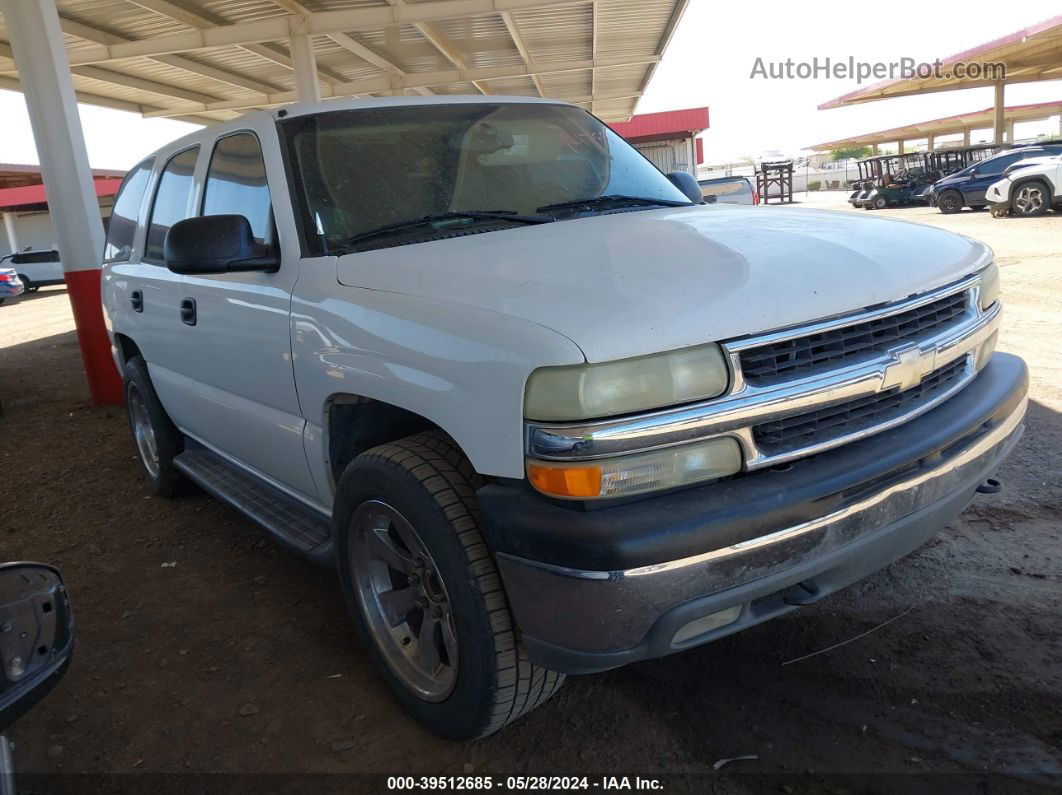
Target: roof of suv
309 108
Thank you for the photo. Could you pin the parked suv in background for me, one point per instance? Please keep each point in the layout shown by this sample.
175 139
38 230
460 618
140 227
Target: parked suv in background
967 188
36 269
542 410
1028 188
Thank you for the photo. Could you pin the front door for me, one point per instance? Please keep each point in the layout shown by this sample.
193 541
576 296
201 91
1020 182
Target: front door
237 325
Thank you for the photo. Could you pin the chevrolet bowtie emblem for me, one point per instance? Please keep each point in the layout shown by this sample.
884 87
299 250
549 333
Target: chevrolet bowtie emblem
911 364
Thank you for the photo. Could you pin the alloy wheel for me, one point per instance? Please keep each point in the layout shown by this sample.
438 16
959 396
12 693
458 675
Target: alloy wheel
143 431
404 600
1030 199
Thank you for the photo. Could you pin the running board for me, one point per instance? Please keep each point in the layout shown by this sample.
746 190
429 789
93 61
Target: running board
294 524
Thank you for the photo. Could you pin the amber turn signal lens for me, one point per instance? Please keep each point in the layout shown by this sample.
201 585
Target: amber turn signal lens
583 481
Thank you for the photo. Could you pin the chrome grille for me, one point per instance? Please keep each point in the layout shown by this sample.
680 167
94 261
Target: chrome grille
814 427
826 349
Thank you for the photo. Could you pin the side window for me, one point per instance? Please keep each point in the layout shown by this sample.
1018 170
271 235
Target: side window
126 213
997 165
171 200
236 183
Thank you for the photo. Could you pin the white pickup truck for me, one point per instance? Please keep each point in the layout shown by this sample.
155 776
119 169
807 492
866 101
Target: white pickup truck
542 411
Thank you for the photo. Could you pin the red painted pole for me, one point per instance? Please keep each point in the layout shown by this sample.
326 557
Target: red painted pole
104 382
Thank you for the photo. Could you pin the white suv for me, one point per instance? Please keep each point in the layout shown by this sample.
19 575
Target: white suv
1028 188
543 412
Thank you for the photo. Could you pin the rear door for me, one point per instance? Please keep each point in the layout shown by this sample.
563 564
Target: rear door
985 175
140 291
243 402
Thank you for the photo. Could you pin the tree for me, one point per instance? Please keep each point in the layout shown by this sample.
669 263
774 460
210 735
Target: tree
855 152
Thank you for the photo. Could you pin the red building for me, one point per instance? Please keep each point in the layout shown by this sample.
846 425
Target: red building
669 139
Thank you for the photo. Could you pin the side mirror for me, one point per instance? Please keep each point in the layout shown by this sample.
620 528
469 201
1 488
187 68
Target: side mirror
687 184
215 244
36 636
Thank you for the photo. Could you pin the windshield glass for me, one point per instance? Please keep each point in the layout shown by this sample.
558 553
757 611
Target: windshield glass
356 171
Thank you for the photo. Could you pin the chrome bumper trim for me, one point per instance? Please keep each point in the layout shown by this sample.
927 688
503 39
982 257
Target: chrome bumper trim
746 405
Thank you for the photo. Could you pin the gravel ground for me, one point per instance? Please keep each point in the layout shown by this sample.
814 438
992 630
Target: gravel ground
239 658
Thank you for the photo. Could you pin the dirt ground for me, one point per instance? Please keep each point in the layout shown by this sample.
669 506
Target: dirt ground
239 658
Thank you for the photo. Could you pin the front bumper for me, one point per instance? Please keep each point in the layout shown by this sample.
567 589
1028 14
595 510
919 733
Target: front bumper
592 590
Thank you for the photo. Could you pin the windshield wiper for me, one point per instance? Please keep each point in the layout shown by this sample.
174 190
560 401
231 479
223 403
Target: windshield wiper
612 200
442 218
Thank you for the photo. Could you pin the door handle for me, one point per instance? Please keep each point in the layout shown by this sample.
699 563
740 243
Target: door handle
136 299
188 311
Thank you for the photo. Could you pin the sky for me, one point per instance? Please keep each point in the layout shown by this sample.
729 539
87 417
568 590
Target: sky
709 62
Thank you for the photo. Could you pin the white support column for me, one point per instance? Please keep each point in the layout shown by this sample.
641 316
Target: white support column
966 137
1010 131
930 142
9 231
44 72
307 88
899 147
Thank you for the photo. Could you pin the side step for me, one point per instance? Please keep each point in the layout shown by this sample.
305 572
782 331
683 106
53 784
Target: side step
295 525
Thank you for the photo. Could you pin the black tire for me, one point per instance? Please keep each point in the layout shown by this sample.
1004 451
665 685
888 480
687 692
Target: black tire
949 202
880 202
28 284
1019 201
428 480
167 481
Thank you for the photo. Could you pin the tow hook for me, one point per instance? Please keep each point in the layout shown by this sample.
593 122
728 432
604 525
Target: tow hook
990 486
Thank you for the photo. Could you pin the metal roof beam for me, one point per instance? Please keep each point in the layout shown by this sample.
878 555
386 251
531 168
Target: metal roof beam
281 27
521 47
421 80
98 36
353 45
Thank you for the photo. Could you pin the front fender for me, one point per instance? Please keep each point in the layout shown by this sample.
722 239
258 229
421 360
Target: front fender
460 367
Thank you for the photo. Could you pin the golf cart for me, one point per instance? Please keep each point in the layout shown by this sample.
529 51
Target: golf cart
905 181
868 173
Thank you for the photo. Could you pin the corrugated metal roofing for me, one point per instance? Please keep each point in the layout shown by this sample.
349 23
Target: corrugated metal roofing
209 60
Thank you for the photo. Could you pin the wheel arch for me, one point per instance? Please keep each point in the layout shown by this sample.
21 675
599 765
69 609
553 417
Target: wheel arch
356 423
126 347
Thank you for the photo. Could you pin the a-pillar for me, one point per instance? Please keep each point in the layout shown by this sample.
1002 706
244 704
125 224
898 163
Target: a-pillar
44 73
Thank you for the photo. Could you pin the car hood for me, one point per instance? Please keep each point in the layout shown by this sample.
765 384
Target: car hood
633 283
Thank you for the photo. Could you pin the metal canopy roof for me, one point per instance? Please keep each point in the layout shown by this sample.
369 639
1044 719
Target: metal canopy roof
1030 55
209 60
947 125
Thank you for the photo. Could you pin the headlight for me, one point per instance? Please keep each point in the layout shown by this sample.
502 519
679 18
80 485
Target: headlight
989 285
588 391
634 474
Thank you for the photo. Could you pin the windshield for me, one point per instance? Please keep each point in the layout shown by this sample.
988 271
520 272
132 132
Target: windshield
356 171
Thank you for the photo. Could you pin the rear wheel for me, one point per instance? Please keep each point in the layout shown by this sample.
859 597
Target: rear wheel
157 439
424 593
950 201
28 284
1030 199
880 202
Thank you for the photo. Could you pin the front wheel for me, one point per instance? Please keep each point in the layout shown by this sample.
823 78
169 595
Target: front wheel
424 593
880 202
950 201
1030 199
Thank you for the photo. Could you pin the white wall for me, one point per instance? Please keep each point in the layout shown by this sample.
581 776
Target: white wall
35 230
